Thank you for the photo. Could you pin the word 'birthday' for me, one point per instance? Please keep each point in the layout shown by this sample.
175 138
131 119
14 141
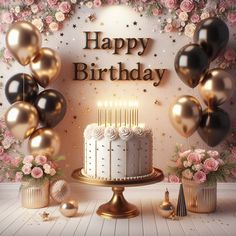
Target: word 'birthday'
94 40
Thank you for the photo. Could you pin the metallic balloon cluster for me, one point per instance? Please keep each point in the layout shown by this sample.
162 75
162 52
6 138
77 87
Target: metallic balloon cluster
29 107
215 85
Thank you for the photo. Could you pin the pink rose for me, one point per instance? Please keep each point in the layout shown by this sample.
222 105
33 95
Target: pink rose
232 17
171 4
195 18
6 159
64 7
187 5
28 2
37 172
173 179
18 176
49 19
16 161
7 17
229 54
194 158
97 3
199 177
26 14
26 169
156 11
211 164
40 160
28 159
52 2
168 28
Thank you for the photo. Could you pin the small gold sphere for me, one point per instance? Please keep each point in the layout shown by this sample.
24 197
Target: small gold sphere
69 208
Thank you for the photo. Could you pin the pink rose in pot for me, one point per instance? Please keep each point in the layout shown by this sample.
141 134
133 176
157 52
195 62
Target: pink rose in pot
173 179
194 157
187 5
26 169
211 164
37 172
40 160
199 177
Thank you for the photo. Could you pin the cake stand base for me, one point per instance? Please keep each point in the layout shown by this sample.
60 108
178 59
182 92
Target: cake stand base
117 207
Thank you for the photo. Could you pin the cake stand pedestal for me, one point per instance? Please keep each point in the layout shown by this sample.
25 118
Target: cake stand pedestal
118 207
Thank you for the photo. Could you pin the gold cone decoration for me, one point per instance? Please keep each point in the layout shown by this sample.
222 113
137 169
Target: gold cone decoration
181 209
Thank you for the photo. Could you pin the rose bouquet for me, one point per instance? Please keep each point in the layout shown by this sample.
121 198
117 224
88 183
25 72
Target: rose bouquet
36 168
201 165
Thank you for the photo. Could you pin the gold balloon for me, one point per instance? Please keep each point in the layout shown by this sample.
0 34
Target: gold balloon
46 66
69 208
185 115
216 87
21 119
23 40
44 141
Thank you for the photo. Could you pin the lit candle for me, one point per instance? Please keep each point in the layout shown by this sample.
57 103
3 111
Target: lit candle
116 105
105 107
99 104
110 112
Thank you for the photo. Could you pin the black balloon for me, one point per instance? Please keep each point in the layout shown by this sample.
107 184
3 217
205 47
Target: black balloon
213 35
214 126
191 62
21 87
51 106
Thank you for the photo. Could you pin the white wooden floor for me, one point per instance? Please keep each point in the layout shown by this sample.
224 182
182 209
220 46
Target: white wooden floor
15 220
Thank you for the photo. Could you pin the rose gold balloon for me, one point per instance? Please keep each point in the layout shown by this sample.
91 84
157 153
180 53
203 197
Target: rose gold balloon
216 87
44 142
185 115
23 40
21 119
46 66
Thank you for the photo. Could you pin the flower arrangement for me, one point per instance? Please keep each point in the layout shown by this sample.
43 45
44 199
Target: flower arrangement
36 168
227 59
201 165
9 154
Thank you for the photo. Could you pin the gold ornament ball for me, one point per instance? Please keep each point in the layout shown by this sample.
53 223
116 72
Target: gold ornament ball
69 208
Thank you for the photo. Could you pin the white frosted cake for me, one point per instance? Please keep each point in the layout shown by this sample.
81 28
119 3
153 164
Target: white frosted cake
117 153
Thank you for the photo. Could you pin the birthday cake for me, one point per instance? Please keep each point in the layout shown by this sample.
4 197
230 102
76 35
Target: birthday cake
117 153
117 147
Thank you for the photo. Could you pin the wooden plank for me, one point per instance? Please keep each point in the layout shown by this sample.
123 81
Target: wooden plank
108 228
35 226
149 223
9 210
122 227
136 223
85 221
72 223
19 222
161 224
97 221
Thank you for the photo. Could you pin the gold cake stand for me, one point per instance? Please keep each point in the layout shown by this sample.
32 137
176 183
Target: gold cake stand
118 207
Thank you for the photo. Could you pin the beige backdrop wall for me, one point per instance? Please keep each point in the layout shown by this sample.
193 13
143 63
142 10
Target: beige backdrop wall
82 96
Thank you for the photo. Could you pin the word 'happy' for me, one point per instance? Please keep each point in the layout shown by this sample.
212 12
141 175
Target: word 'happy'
127 46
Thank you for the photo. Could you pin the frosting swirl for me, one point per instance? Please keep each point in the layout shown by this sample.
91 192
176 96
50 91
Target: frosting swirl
125 133
88 131
111 133
138 131
98 132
